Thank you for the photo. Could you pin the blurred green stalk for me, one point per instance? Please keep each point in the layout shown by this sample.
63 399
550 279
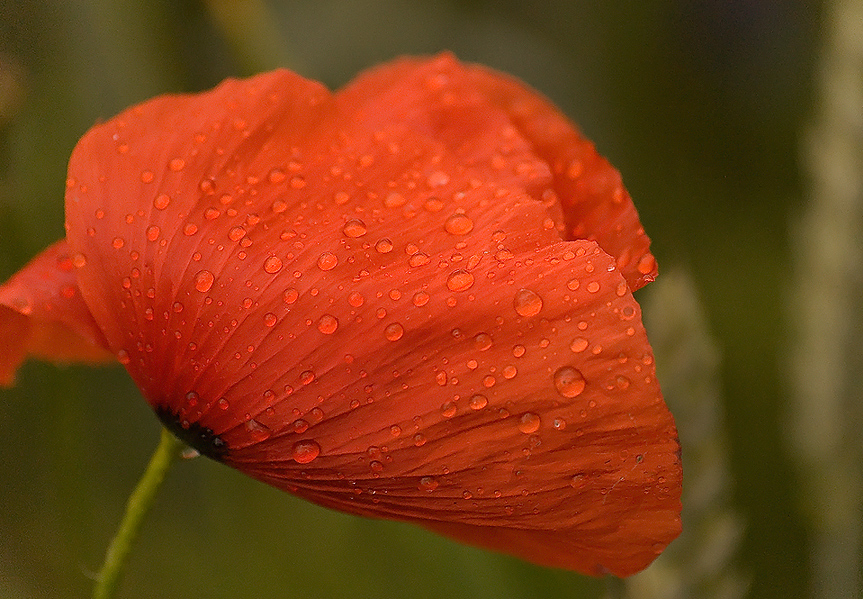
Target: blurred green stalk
137 507
827 365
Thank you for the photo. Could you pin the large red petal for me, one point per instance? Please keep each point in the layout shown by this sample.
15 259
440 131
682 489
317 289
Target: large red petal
594 201
324 292
42 315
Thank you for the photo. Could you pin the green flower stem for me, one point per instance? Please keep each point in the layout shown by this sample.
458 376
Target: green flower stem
136 509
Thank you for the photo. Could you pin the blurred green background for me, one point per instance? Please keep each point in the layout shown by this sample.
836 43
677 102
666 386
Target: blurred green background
701 104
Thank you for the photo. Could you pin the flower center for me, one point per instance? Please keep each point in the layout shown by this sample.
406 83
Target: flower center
200 438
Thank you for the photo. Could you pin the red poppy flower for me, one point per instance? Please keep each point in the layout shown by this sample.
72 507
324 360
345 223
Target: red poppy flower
411 299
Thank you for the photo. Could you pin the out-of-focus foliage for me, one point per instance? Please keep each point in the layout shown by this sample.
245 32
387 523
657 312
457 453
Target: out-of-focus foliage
698 103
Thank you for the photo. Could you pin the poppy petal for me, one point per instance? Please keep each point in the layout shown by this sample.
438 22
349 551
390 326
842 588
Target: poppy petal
594 202
379 315
42 315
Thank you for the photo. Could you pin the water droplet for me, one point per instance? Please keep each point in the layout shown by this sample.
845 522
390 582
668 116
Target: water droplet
478 402
147 176
118 242
384 246
190 229
257 431
273 264
327 261
204 281
123 357
569 381
290 296
482 341
419 439
458 224
276 175
434 204
646 264
518 351
559 424
419 259
459 280
509 371
307 376
527 303
356 299
328 324
529 423
207 186
305 451
270 319
177 164
421 298
448 409
579 344
394 200
593 286
394 331
162 201
223 403
236 233
428 483
437 179
153 233
354 228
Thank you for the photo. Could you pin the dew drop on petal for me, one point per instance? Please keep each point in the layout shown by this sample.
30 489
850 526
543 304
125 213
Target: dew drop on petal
579 344
458 224
394 200
257 431
529 423
272 264
356 299
482 341
204 280
394 331
478 402
354 228
646 264
421 298
162 201
527 303
428 483
384 246
153 233
223 404
270 319
305 451
434 204
569 381
593 286
459 280
448 409
327 261
328 324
